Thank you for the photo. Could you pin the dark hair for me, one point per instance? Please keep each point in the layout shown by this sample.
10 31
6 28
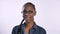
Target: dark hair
29 3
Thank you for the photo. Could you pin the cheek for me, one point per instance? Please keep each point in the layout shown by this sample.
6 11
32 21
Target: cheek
31 15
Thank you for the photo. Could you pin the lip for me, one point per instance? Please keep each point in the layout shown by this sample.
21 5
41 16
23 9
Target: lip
27 18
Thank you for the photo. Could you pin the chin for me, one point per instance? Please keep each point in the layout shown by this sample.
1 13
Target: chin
27 21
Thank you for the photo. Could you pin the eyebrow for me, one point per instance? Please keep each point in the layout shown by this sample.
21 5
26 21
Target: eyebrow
27 11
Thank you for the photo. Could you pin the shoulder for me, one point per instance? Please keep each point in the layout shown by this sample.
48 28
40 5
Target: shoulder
15 27
41 29
14 30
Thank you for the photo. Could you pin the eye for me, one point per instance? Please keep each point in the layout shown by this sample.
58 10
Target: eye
31 11
27 12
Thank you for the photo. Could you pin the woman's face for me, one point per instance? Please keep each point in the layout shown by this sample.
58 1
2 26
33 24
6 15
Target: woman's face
28 13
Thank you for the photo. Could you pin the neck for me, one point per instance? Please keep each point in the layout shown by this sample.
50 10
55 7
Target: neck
29 25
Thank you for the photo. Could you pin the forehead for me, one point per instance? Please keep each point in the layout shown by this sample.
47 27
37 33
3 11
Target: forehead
29 7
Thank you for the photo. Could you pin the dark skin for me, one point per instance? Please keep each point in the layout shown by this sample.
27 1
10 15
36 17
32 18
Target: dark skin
29 17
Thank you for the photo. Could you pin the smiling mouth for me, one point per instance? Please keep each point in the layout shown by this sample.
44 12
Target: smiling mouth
27 18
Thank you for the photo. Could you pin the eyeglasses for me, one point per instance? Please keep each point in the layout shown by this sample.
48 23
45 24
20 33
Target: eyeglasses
29 12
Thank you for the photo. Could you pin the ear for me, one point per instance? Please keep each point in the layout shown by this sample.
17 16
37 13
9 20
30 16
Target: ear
34 13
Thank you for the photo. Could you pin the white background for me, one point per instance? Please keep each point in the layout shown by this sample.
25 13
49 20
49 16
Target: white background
48 15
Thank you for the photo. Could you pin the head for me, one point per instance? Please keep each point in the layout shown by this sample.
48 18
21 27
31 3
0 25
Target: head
29 12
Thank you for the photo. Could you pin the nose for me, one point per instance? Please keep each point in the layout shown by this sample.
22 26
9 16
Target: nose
26 14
